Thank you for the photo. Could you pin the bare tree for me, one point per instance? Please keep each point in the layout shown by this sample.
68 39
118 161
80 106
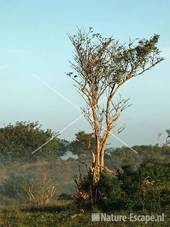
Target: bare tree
101 66
40 192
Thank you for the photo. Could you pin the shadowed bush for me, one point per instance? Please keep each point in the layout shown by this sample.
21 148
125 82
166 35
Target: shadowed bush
145 188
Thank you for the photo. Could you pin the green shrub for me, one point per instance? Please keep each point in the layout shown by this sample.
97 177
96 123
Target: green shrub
145 188
12 187
110 193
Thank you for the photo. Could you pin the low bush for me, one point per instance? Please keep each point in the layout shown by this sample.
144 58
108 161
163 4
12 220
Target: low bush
145 188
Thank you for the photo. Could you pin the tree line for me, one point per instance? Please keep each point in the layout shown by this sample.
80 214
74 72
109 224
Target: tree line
19 140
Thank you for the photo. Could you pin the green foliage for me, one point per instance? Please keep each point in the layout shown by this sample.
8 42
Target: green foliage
168 132
18 141
145 153
12 187
158 176
37 189
143 187
168 137
111 193
146 188
109 62
83 143
57 216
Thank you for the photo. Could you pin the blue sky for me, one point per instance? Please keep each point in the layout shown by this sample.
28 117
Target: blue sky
34 40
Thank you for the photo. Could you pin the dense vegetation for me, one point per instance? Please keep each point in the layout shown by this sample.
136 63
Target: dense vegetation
35 185
17 142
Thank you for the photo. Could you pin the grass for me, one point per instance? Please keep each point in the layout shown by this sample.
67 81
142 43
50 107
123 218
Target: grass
60 214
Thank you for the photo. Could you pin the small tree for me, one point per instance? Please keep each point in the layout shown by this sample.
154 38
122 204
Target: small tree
101 66
168 136
19 140
83 143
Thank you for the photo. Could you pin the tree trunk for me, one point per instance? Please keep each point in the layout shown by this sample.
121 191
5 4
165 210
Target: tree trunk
102 159
96 169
